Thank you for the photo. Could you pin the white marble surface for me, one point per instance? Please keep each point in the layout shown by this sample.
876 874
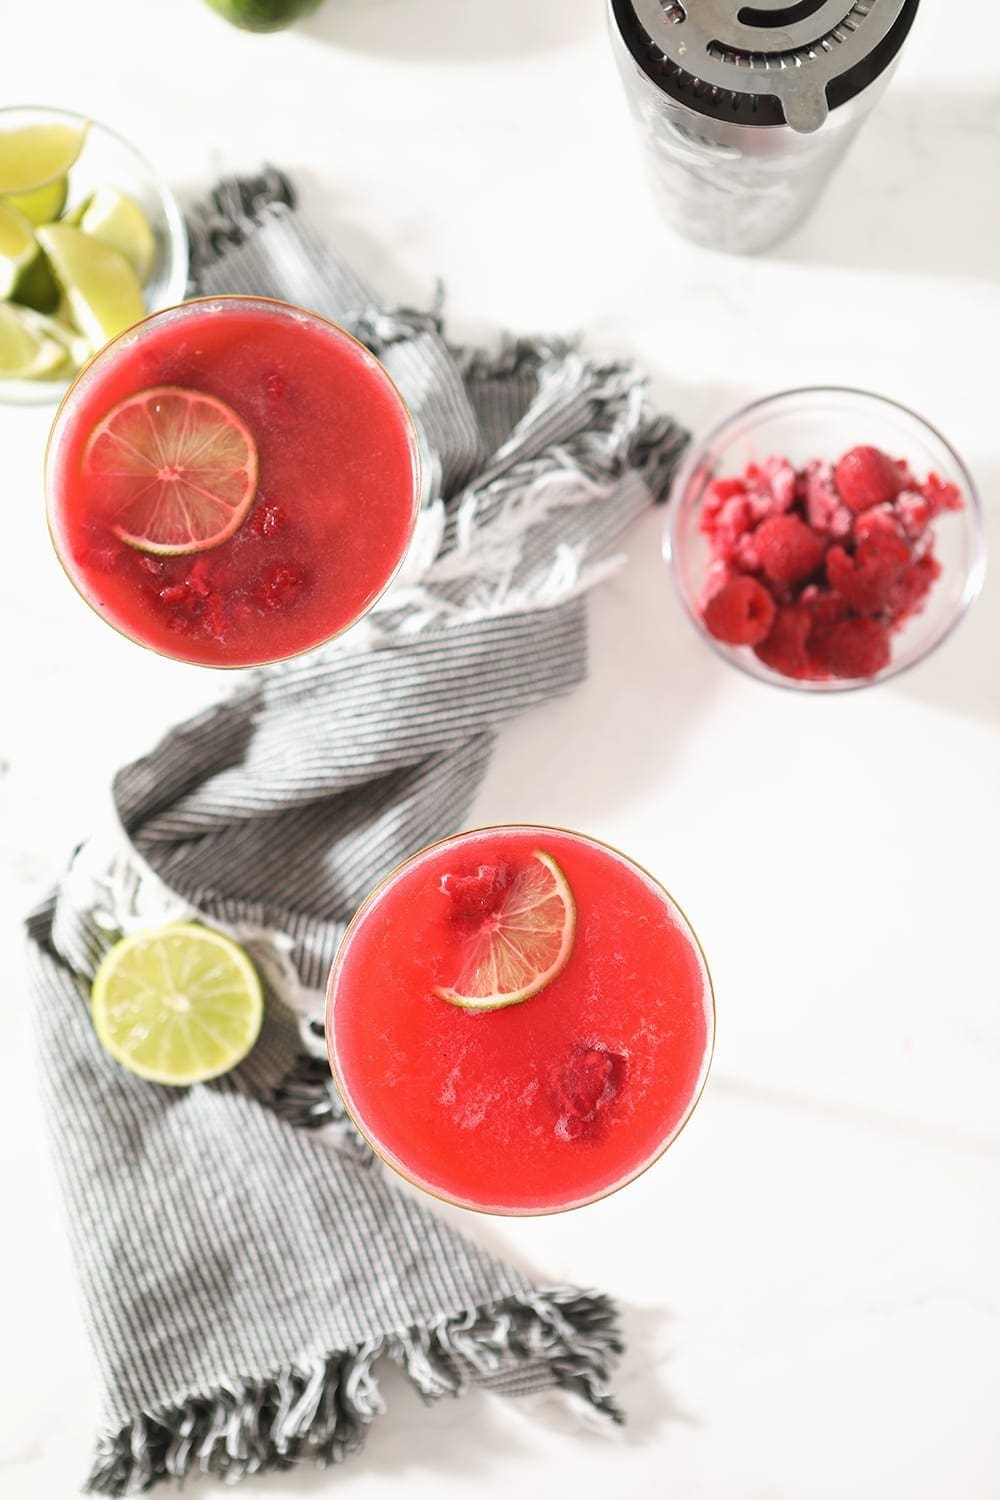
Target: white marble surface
810 1277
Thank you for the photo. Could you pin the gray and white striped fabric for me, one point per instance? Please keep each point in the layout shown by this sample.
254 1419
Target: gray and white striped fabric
242 1274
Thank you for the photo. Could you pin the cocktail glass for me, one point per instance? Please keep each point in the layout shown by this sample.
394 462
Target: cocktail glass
337 486
542 1105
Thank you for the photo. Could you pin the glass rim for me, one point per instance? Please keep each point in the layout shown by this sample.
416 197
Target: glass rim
708 1003
178 310
702 447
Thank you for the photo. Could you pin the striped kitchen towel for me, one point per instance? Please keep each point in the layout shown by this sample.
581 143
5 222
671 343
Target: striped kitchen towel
242 1274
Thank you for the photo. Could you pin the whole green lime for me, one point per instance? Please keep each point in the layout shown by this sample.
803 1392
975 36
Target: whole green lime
264 15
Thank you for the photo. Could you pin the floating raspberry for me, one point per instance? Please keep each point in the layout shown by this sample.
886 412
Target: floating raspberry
479 893
788 549
278 587
583 1085
741 613
784 650
865 477
857 647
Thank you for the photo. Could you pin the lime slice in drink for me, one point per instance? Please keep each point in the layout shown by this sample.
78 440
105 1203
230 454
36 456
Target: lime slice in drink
519 942
43 204
175 470
177 1005
18 247
117 220
30 346
102 289
32 155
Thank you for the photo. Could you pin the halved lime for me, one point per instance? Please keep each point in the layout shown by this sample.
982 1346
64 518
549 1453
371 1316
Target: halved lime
32 155
43 204
177 1005
29 350
102 289
18 247
519 947
117 220
176 470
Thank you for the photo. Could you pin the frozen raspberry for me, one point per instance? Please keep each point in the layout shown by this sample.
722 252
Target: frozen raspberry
824 509
826 611
866 477
857 647
479 893
583 1085
278 586
716 495
914 512
741 613
867 579
784 650
770 487
941 494
729 525
788 549
912 587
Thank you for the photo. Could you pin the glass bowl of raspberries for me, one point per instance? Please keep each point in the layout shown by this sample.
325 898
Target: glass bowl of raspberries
825 538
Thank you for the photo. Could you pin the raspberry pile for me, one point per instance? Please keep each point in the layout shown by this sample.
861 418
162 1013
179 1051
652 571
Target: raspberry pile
206 593
816 568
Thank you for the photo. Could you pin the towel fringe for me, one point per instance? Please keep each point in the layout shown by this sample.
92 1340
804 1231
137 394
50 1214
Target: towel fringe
321 1412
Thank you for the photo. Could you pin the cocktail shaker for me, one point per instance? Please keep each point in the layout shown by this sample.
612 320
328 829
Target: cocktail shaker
745 109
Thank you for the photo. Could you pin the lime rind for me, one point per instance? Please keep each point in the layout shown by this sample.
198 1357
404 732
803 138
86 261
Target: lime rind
525 948
176 469
177 1005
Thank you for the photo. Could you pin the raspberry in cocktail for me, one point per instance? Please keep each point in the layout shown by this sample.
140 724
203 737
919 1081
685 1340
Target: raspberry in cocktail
520 1019
232 481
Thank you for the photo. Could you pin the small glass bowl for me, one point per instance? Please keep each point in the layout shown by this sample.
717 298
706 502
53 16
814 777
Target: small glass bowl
824 422
107 159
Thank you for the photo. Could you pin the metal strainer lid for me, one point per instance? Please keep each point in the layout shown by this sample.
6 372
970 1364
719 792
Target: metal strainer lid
765 62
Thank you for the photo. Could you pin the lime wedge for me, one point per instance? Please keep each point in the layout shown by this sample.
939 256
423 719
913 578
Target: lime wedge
29 346
32 155
175 470
43 204
117 220
36 286
102 289
519 944
177 1005
18 247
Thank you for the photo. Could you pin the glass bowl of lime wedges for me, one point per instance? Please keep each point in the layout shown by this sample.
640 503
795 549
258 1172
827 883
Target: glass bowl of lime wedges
91 240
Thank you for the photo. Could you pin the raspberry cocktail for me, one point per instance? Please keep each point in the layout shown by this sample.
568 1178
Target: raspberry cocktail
232 481
520 1020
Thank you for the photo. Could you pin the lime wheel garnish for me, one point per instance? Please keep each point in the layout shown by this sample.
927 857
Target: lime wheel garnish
177 1004
519 943
176 470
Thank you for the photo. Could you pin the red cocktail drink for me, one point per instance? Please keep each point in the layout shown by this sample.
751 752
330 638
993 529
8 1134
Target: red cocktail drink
232 481
557 1094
